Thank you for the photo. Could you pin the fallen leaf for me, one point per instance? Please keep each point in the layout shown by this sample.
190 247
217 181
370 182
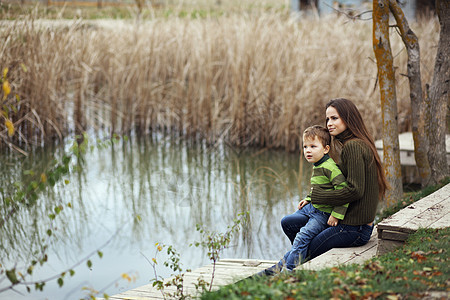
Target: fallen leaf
419 256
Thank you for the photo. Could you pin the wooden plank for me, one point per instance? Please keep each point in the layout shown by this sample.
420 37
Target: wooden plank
135 294
340 256
422 220
428 217
225 270
430 212
248 261
404 217
393 235
442 222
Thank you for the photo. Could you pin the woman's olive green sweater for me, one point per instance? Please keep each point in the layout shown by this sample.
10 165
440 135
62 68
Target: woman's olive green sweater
358 166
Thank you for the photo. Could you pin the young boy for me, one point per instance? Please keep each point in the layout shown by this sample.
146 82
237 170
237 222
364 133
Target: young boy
313 217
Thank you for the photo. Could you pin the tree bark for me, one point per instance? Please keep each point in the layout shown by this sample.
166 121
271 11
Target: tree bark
386 79
439 98
418 105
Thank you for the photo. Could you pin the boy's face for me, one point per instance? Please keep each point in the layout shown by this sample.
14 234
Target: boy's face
314 150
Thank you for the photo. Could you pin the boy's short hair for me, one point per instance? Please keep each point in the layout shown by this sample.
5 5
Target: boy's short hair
318 131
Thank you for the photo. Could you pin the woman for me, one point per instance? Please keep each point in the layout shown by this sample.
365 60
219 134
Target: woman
361 165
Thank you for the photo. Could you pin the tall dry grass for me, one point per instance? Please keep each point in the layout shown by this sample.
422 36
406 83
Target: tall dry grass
244 79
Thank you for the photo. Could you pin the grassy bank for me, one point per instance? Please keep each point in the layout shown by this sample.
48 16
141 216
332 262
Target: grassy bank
417 270
246 79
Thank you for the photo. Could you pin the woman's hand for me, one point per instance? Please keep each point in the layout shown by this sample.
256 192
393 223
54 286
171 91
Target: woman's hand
332 221
302 203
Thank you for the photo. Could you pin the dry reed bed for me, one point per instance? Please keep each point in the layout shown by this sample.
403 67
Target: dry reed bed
245 80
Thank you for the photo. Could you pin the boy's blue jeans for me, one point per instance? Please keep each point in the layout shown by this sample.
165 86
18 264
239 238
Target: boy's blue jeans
307 222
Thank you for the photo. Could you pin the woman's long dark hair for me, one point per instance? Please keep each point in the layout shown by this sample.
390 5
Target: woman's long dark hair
349 113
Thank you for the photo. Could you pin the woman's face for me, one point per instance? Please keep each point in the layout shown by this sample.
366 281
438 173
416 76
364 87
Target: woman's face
335 124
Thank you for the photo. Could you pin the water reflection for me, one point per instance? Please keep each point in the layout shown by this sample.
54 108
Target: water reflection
171 185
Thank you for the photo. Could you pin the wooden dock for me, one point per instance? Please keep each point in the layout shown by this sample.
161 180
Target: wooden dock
227 271
406 144
429 212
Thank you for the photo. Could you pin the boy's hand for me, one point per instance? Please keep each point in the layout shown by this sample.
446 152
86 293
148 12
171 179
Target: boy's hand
332 221
302 203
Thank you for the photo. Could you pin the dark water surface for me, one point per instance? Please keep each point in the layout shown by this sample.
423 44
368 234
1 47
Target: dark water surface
171 185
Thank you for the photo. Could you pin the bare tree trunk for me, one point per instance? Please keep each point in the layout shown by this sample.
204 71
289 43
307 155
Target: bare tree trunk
418 105
386 78
437 154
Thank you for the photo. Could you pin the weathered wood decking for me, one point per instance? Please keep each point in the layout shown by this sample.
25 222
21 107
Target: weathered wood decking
343 256
227 271
430 212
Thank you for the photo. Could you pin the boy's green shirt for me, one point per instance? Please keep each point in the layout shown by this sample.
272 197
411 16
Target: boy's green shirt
328 176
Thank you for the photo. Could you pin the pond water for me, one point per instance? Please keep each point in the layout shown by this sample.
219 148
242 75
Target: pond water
170 185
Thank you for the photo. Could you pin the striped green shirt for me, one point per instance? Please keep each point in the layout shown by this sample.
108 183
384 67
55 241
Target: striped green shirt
328 176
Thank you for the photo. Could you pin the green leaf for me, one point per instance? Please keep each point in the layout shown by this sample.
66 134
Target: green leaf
39 286
19 196
51 181
100 254
49 232
32 186
60 282
17 184
89 264
28 172
71 272
33 198
11 275
66 159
